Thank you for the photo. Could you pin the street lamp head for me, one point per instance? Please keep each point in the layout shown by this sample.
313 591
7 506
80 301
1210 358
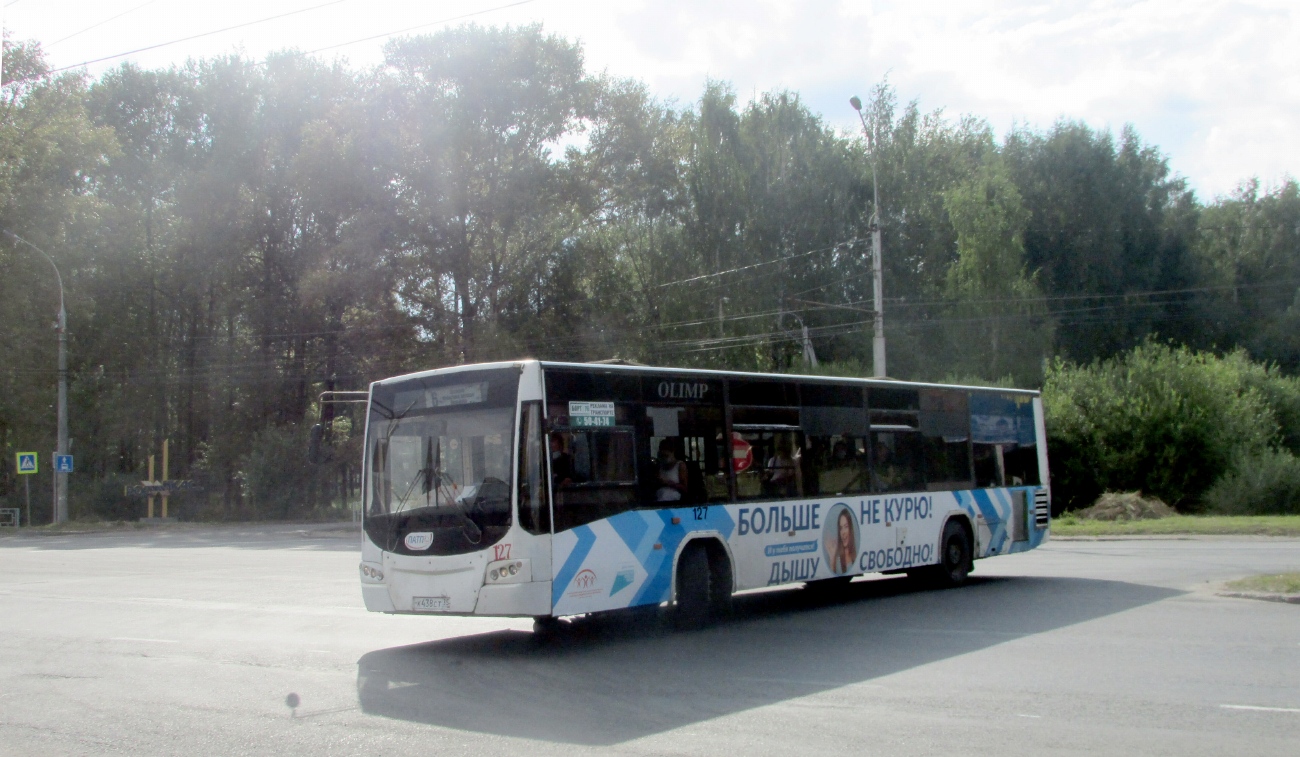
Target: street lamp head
856 103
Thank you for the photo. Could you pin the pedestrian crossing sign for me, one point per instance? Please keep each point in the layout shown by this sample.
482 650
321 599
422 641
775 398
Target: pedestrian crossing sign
26 463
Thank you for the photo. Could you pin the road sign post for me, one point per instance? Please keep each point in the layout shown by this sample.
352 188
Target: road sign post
28 464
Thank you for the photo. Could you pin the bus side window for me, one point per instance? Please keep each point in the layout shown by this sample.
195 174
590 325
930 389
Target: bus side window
1005 443
835 464
988 469
1021 464
593 473
693 433
897 459
945 423
834 419
776 470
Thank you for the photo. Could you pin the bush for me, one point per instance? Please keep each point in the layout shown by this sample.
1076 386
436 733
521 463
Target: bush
1282 393
1162 420
276 474
110 502
1264 484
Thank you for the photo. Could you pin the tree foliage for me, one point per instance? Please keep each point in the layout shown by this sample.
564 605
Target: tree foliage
237 236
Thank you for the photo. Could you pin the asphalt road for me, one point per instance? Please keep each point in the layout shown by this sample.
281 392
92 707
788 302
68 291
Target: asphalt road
192 641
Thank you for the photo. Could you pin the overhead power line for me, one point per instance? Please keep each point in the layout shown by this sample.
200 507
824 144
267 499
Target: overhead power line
419 26
755 265
197 36
98 24
273 18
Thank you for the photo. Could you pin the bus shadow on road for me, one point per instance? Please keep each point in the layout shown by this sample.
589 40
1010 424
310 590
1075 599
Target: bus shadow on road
606 680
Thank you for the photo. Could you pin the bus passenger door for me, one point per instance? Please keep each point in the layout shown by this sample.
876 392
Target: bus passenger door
534 495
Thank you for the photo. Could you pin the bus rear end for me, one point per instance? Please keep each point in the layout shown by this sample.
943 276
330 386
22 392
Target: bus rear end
448 455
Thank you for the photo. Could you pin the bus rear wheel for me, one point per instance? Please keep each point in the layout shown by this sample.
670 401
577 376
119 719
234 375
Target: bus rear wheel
954 559
828 587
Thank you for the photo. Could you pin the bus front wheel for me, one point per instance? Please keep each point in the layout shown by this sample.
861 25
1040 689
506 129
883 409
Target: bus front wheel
694 598
546 626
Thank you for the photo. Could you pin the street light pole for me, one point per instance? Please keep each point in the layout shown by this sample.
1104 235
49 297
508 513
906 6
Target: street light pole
877 278
60 479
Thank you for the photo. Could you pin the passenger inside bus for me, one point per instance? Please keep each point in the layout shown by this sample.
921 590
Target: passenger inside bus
561 462
885 475
842 472
673 477
779 478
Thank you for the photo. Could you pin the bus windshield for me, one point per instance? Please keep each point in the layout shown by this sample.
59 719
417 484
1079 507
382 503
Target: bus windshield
432 461
438 460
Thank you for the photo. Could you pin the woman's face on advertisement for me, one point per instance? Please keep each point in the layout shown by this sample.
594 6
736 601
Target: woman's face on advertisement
846 528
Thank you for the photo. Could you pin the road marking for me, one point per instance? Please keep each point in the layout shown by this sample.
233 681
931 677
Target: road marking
1259 709
1023 715
146 641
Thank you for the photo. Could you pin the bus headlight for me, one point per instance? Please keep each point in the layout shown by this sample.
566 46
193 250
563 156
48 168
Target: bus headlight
514 571
371 573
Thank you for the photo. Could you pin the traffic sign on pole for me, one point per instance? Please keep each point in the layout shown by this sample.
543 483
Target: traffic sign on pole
27 463
63 463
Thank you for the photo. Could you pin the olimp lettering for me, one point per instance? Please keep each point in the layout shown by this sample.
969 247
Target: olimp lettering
681 390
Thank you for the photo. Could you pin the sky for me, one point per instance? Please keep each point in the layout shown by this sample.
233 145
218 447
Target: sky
1214 84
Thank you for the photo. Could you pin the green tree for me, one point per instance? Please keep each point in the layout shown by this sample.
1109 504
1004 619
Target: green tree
1000 328
1107 220
50 155
1248 254
479 113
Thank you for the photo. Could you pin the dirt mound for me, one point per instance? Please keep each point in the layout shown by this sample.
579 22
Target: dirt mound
1126 506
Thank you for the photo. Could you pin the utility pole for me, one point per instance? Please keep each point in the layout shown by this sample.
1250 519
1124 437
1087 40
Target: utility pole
877 285
60 479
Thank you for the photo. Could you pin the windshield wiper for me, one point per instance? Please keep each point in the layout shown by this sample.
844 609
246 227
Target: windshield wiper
436 473
431 480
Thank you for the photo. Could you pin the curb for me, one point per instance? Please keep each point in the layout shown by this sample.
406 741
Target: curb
1171 537
1293 599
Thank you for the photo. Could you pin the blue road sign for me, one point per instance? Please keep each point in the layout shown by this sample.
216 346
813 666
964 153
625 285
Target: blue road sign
63 463
26 463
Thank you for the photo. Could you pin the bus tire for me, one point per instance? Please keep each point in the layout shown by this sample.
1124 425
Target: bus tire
954 558
546 627
694 600
720 581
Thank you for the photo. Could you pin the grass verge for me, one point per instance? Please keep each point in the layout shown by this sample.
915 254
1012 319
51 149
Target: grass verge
1279 583
1201 525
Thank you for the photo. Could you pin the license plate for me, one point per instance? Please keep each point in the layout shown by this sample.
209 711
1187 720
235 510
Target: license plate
430 604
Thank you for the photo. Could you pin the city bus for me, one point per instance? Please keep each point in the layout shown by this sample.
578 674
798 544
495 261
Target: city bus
545 489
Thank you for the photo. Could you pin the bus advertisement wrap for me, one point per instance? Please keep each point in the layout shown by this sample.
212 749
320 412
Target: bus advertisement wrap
770 544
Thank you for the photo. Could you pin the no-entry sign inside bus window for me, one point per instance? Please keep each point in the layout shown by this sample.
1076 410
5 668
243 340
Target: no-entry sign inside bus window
589 414
742 454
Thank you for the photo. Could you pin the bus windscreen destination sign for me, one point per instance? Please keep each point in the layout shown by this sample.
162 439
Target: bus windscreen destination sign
588 414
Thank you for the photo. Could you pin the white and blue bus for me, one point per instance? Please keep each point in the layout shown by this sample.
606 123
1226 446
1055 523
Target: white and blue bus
540 489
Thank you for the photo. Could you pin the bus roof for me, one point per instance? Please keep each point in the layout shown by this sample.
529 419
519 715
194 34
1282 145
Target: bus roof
617 368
